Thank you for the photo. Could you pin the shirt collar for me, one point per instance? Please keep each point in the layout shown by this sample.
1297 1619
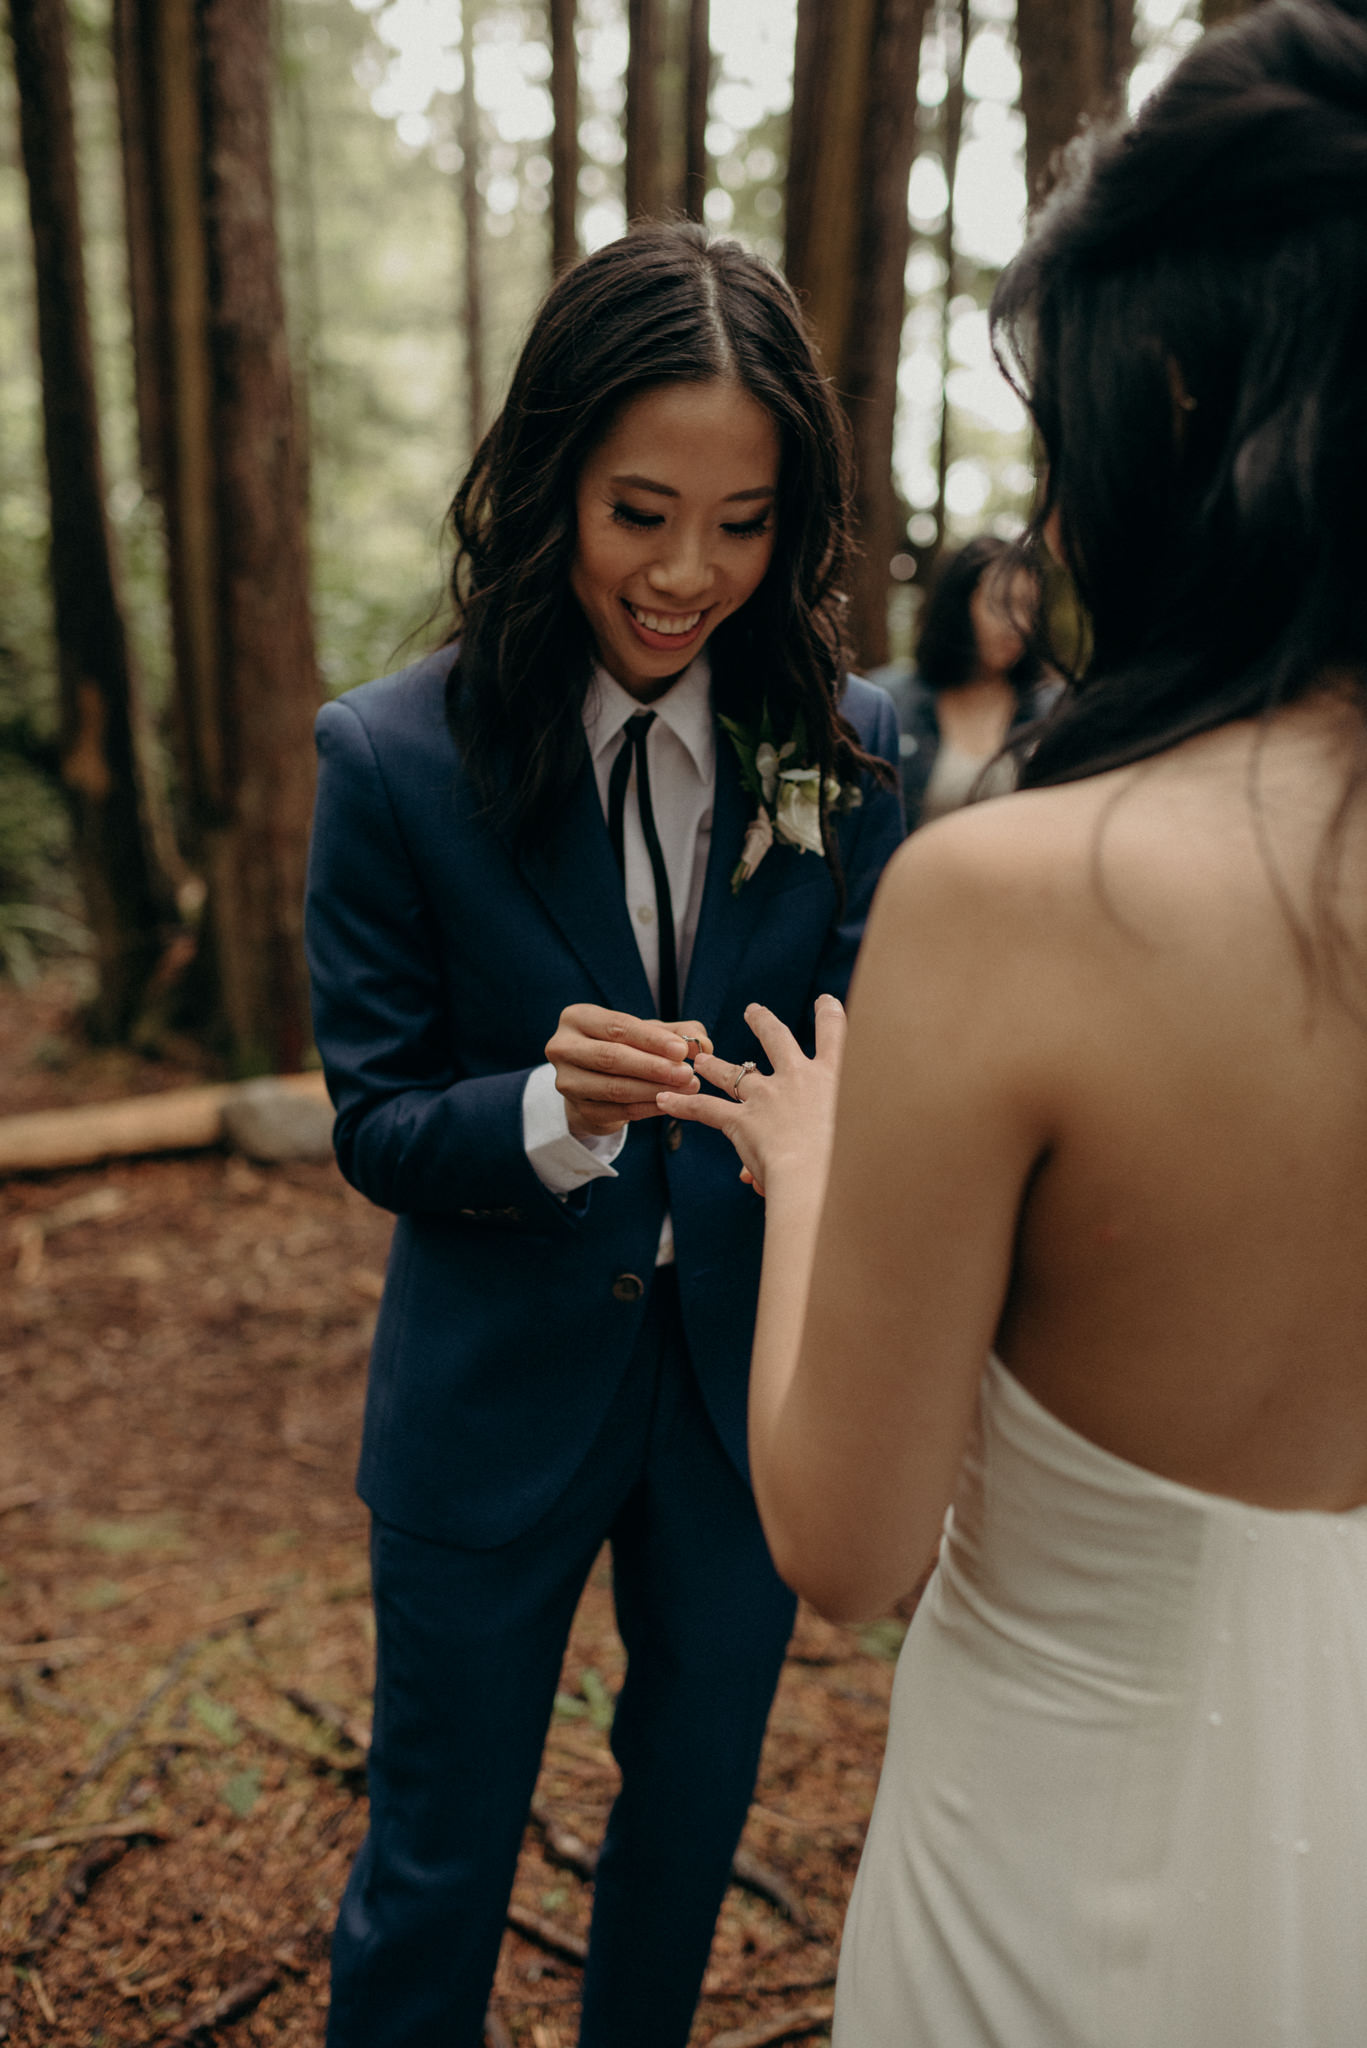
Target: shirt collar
686 708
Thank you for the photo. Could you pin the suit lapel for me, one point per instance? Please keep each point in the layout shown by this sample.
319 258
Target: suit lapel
726 920
575 876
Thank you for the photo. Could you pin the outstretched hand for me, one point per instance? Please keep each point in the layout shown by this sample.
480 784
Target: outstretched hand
777 1121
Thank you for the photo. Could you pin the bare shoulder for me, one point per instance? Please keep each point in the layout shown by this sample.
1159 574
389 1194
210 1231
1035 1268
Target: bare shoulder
1032 853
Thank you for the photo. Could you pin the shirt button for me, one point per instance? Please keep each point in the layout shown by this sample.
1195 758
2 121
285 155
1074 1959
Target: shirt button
674 1134
644 914
628 1287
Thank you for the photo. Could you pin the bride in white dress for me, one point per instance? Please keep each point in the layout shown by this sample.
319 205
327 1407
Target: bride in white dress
1082 1246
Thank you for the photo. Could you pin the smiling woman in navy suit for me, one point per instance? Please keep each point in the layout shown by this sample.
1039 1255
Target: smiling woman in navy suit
551 863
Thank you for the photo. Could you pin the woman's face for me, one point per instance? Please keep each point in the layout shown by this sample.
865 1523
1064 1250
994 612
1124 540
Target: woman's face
999 607
675 511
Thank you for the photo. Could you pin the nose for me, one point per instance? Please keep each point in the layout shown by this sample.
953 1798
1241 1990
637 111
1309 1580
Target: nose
682 569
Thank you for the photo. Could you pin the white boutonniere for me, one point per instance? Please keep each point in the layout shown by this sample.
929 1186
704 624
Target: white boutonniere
787 792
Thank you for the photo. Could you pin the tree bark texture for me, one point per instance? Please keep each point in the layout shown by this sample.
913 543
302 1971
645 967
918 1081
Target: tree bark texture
645 185
697 89
127 898
853 138
247 680
472 217
564 136
1075 59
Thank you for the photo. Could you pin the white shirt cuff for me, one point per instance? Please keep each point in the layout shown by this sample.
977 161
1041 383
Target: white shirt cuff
560 1161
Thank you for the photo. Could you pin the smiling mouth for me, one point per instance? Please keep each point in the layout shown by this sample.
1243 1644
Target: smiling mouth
674 625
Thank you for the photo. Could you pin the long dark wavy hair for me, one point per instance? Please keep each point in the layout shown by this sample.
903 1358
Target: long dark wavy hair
663 305
1188 326
947 646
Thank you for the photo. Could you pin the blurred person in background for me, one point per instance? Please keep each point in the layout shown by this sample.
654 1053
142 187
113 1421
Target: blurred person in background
978 679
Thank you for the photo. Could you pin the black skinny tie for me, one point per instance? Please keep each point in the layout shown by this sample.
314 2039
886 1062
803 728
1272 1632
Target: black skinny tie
634 743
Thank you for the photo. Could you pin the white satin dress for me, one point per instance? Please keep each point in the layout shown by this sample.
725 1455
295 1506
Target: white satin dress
1124 1801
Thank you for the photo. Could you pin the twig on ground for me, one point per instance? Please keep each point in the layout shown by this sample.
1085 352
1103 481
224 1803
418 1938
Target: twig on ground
564 1845
85 1831
126 1734
746 1868
546 1934
52 1656
338 1719
39 1990
84 1872
768 1883
788 2026
727 1987
238 1999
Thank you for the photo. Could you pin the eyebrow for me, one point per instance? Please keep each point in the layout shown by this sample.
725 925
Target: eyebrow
644 483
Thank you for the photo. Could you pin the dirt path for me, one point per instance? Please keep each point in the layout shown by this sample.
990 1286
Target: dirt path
185 1638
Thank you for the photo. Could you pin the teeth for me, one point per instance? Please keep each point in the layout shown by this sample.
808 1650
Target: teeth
670 624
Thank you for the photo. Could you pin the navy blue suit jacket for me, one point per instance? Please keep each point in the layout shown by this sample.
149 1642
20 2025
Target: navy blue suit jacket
441 960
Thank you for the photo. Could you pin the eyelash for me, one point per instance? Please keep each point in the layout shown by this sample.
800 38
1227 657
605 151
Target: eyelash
646 522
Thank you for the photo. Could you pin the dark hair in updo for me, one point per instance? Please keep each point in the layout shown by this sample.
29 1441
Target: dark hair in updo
1188 325
663 305
947 646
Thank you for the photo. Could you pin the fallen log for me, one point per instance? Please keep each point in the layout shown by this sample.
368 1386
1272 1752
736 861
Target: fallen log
179 1120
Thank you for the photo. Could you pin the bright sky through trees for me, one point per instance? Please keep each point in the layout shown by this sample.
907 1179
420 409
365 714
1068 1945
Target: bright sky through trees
753 42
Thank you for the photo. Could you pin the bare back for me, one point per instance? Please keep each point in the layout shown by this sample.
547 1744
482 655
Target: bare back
1190 1287
1098 1112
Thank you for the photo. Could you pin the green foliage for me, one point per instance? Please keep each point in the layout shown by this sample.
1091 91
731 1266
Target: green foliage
218 1717
242 1791
127 1537
883 1639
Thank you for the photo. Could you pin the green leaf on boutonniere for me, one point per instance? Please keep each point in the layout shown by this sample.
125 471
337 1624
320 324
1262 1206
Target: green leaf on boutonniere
745 753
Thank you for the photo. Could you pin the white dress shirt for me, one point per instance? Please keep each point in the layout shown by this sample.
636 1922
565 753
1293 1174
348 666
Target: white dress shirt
681 751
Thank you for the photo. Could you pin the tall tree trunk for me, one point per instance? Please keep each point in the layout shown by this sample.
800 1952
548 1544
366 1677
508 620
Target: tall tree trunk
1215 13
127 898
258 856
1075 59
564 136
645 187
697 88
853 138
198 92
472 215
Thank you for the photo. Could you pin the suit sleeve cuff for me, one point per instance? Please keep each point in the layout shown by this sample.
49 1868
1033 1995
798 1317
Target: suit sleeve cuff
560 1161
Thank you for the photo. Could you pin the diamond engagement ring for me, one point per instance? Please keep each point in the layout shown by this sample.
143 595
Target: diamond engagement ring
745 1067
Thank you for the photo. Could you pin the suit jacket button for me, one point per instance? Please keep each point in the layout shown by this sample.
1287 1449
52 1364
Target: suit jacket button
674 1134
628 1287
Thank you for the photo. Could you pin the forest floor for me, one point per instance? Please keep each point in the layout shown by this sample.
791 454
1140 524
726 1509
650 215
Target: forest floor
186 1640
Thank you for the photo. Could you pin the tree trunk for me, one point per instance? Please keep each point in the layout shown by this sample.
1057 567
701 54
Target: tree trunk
472 215
645 187
564 136
247 682
257 858
1215 13
127 898
853 138
697 88
1075 59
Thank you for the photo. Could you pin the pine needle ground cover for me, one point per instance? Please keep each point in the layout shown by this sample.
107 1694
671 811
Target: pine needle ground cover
186 1642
